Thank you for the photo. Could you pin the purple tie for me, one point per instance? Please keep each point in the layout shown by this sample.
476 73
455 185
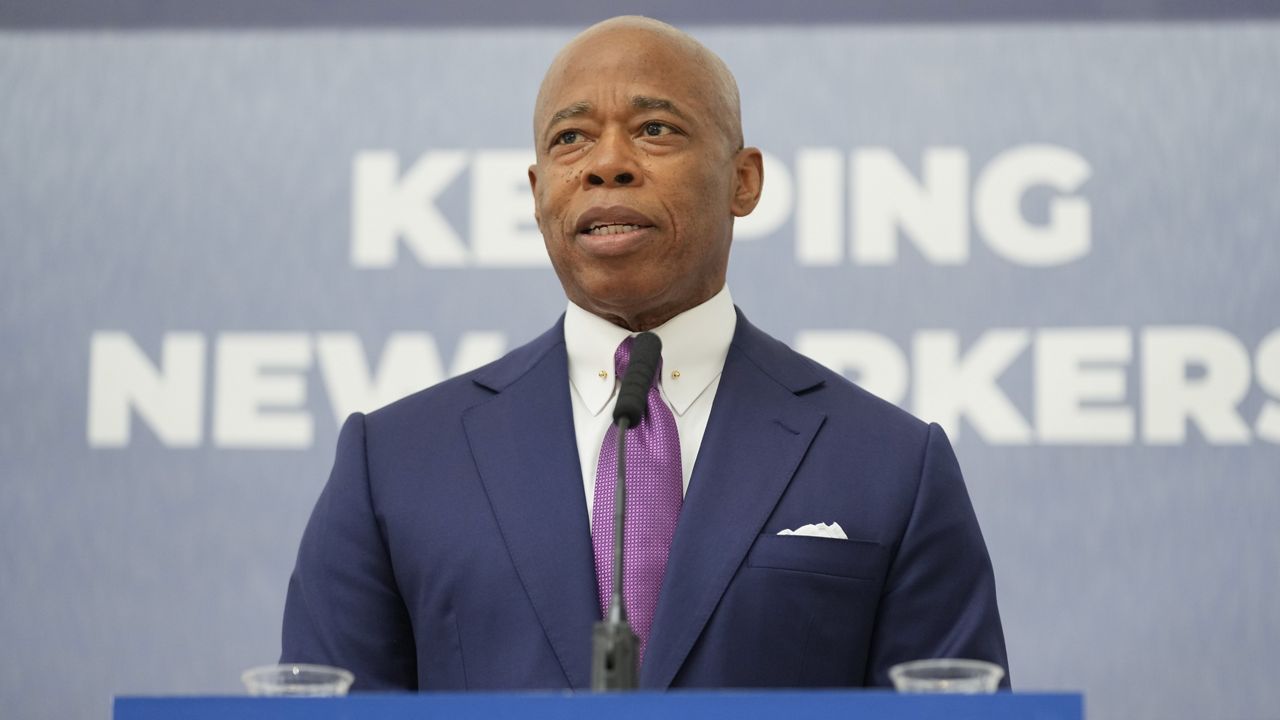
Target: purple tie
655 492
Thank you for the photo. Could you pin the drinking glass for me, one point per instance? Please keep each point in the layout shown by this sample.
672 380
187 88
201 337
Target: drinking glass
297 680
946 675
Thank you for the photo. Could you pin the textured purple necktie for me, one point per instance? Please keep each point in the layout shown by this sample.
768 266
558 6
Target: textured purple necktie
655 492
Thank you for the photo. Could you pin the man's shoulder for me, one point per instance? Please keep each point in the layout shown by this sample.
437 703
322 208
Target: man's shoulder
454 395
835 395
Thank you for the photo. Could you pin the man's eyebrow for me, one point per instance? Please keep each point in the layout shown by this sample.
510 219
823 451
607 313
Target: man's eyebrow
639 102
644 102
582 107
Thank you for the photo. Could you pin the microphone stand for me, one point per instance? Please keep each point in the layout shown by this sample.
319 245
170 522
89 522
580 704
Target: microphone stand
614 648
613 645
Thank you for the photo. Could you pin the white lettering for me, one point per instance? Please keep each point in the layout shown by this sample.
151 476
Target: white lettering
819 226
1170 397
933 214
1268 369
169 399
503 232
1078 365
1187 375
410 362
997 211
255 408
386 207
884 203
948 387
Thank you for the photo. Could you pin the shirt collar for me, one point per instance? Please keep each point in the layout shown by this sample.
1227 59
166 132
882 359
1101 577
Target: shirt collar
694 346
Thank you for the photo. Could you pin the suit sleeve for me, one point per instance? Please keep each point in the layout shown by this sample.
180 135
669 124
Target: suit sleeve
343 606
940 597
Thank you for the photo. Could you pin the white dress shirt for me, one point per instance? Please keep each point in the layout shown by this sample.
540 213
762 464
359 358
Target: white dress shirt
694 346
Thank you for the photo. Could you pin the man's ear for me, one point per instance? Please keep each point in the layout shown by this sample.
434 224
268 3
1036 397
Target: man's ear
748 166
533 188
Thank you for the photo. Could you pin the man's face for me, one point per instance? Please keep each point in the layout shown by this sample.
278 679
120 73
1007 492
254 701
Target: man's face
636 184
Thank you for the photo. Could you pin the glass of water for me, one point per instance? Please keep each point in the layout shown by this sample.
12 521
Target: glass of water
297 680
946 675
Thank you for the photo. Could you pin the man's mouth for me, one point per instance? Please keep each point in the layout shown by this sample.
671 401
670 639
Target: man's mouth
613 229
607 221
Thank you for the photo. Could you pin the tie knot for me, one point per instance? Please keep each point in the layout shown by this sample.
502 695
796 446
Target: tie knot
622 359
622 356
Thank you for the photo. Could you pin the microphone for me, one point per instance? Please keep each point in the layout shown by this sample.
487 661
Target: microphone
646 350
613 648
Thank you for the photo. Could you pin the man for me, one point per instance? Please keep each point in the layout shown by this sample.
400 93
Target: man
455 545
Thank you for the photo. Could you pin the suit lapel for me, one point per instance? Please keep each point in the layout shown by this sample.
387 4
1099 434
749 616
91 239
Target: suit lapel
523 444
757 434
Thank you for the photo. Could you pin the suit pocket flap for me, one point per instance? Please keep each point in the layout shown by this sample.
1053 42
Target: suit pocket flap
857 559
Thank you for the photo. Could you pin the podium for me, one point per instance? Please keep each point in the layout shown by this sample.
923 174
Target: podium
699 705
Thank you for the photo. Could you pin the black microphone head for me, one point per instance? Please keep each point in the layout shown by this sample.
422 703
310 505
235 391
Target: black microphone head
646 351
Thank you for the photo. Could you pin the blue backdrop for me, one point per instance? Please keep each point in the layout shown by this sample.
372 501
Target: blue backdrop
1051 229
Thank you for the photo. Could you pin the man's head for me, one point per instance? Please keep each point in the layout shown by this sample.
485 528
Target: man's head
640 170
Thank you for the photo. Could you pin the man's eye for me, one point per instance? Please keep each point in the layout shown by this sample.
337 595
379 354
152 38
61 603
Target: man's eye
654 129
568 137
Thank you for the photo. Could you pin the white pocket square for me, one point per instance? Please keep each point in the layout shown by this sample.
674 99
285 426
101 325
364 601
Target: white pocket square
823 530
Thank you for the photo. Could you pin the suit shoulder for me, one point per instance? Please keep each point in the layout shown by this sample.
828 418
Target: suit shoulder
844 394
833 393
453 396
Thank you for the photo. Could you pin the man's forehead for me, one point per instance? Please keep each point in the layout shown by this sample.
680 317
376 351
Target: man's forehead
636 102
633 58
619 56
592 92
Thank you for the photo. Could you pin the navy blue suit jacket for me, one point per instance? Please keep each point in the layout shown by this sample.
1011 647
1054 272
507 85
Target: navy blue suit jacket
451 550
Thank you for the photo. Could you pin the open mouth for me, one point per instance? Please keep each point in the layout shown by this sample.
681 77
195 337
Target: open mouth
610 220
600 229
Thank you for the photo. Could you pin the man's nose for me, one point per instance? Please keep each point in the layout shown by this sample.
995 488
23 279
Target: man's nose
613 162
622 178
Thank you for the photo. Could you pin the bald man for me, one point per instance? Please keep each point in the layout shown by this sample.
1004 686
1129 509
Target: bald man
805 533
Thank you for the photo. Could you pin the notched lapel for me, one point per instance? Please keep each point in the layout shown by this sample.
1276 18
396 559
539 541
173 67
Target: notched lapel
758 433
523 444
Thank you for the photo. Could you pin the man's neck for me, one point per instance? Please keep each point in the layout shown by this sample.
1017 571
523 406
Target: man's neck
652 318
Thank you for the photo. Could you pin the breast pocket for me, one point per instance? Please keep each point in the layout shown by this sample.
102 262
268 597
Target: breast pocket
852 559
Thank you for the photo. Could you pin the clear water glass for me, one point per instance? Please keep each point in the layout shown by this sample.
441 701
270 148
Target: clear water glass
949 675
297 680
